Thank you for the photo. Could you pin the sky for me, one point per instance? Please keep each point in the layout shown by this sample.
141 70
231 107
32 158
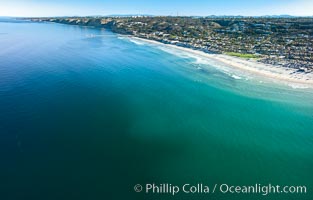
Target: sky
40 8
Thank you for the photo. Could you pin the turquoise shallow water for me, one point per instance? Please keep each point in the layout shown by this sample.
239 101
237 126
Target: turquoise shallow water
87 114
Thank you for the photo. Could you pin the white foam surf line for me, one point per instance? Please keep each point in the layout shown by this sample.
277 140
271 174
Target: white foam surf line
94 35
131 39
236 77
199 60
275 74
121 37
136 42
183 54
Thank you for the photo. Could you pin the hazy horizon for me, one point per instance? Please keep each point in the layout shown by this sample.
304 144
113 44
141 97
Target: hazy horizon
49 8
139 14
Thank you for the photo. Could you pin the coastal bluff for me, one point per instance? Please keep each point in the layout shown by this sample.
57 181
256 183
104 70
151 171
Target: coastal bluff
283 42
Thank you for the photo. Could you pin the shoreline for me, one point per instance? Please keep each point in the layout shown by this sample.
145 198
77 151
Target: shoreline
270 72
274 73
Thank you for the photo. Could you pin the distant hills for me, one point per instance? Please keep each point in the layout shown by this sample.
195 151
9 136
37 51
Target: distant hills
210 16
241 16
262 16
149 15
129 15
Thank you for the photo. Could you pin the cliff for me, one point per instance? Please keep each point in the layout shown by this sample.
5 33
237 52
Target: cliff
95 22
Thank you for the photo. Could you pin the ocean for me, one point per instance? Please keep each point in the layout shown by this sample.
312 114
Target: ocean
88 114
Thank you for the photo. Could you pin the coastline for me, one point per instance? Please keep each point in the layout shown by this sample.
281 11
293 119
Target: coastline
270 72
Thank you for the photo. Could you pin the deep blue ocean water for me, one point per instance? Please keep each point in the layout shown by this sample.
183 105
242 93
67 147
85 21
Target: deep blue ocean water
87 114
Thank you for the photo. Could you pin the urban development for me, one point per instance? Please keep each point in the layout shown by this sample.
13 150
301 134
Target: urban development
281 41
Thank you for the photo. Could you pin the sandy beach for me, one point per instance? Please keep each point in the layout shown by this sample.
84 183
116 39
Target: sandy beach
265 71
